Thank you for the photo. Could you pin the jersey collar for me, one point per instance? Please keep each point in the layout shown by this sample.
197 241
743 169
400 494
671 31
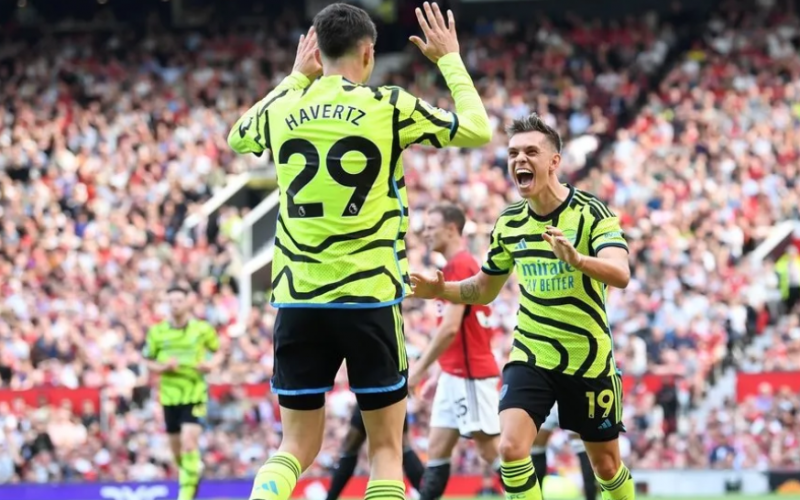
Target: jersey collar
555 213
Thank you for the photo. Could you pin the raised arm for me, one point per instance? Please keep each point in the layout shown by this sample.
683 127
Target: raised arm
250 133
469 126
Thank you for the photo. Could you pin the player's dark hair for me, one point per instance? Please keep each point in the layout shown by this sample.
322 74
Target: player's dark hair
534 123
178 288
340 27
451 214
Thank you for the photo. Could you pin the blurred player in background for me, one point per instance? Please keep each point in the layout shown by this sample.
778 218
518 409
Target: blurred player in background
351 446
467 390
539 454
339 271
180 350
567 248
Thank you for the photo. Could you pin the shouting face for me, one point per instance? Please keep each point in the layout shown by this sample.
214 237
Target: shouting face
532 157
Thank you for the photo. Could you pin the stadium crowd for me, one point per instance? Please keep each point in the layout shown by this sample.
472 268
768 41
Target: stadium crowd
108 144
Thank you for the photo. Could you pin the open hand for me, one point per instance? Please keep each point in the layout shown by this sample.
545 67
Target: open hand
423 287
562 247
440 36
307 60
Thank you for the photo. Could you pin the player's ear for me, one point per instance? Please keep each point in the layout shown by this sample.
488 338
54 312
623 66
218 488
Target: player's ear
554 162
318 56
366 54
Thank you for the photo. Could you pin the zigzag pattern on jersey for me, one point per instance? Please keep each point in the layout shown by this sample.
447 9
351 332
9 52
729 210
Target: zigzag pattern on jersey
262 112
598 212
370 273
591 357
339 238
178 387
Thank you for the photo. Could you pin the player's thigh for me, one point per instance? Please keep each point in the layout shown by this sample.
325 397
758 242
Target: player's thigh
528 388
478 407
443 408
375 351
385 428
526 398
193 422
308 355
303 431
591 407
175 416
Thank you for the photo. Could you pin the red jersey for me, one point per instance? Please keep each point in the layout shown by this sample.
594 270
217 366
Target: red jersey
470 355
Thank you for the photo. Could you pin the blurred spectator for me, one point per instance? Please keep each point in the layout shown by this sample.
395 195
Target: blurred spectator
108 145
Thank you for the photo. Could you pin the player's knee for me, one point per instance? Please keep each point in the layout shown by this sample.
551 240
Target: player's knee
189 437
488 453
188 443
512 447
605 462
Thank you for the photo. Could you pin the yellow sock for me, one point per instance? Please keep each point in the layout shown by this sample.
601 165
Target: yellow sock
620 487
519 480
385 489
277 478
189 475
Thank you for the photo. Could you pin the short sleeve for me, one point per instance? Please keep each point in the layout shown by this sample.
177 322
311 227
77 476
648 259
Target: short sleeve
150 349
210 337
499 260
422 123
607 233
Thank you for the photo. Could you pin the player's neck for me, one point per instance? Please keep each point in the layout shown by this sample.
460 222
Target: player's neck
180 322
350 70
550 199
452 249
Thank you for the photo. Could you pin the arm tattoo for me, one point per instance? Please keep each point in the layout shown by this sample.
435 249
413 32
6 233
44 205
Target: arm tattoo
469 291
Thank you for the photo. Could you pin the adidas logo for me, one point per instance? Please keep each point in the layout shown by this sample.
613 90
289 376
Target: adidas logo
521 245
270 486
605 425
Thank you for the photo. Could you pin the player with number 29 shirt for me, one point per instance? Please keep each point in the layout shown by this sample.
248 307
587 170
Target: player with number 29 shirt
339 270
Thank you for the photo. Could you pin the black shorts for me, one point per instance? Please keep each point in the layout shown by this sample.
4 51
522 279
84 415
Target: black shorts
177 415
591 407
357 422
311 343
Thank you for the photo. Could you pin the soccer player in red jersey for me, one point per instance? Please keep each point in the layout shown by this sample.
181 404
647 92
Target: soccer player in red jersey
466 398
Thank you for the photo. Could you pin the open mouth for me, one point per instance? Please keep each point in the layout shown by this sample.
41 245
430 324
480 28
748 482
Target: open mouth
524 177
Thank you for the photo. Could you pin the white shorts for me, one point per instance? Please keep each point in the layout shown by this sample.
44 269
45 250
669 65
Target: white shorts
467 405
551 422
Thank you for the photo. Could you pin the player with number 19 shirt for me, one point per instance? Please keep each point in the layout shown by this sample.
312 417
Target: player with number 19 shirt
567 248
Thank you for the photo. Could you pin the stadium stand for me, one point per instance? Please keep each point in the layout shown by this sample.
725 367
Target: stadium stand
107 144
